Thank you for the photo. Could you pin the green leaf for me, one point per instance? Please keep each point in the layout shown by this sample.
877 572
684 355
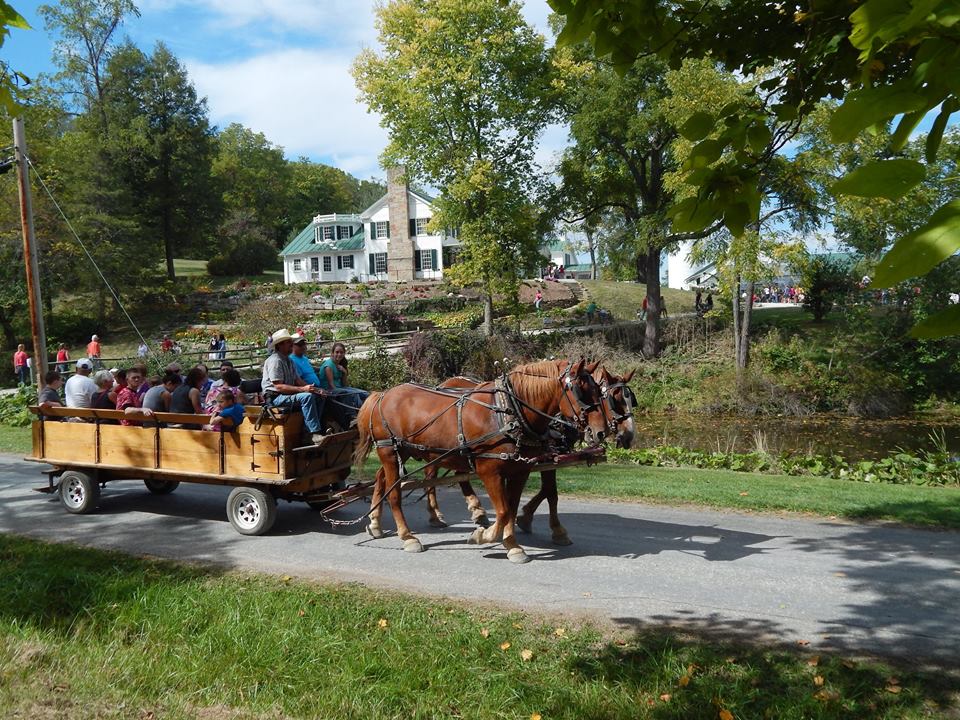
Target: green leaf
920 251
785 112
944 323
758 135
704 153
736 218
936 131
693 214
868 106
907 125
697 126
11 18
890 179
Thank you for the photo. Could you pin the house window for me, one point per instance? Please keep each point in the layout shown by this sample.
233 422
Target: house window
381 230
378 263
314 264
328 232
344 262
450 256
327 263
297 265
344 232
426 260
421 226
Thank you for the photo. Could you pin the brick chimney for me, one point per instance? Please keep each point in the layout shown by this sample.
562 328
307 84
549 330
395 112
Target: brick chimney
400 260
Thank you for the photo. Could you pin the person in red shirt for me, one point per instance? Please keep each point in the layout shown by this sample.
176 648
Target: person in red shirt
166 345
63 358
20 367
129 401
93 350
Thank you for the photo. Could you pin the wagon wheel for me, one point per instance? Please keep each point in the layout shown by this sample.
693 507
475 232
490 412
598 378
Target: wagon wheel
251 511
79 492
161 487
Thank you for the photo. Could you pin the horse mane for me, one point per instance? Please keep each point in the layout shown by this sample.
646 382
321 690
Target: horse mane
536 382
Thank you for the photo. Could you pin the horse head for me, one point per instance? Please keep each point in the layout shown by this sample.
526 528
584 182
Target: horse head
581 401
619 402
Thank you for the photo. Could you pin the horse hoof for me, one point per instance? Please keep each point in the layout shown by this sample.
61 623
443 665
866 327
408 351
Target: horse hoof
438 522
525 523
518 556
412 545
561 540
375 532
476 537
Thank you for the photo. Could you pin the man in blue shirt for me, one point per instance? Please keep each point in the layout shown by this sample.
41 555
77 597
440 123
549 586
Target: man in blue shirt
301 362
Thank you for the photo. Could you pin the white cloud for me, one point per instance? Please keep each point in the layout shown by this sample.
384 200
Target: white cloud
304 100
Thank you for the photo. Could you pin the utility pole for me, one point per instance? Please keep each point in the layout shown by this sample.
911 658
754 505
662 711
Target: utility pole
30 253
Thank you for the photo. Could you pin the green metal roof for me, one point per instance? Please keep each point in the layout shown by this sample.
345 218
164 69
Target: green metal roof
582 267
303 244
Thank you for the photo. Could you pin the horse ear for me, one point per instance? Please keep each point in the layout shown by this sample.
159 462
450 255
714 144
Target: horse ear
577 367
592 366
629 375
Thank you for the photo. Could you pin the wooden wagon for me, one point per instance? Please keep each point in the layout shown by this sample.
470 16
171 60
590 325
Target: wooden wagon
263 461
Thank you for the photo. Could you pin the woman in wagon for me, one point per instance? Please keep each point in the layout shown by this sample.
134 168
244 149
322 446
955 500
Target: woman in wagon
334 376
229 381
186 399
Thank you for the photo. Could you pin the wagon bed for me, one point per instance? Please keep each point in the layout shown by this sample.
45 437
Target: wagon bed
264 459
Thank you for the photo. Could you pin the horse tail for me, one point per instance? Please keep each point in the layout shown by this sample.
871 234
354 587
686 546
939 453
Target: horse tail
364 426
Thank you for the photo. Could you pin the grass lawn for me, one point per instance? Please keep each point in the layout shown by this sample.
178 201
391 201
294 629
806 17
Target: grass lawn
623 299
91 634
197 268
15 440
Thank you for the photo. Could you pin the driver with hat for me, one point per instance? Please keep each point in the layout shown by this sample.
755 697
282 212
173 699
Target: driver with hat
283 387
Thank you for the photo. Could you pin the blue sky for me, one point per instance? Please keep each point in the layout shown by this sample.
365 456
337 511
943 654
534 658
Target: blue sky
280 67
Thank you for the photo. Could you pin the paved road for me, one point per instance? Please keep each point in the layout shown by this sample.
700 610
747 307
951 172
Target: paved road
854 587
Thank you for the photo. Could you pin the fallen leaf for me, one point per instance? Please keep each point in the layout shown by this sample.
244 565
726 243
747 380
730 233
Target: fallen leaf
894 689
666 697
382 623
840 574
526 655
730 660
825 695
536 716
286 578
518 626
560 632
504 646
691 668
818 680
892 681
725 715
803 643
621 643
814 661
849 664
485 632
588 594
744 494
684 680
301 613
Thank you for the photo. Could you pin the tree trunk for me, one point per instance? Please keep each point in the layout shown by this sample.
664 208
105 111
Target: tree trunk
488 313
641 260
168 246
101 307
744 340
9 334
593 256
736 324
651 338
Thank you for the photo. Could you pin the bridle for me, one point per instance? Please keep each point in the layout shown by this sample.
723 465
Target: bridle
614 418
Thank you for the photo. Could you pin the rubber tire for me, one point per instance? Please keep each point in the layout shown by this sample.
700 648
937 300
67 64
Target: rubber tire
161 487
79 493
251 511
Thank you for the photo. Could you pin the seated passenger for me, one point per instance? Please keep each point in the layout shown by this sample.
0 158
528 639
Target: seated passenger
186 398
302 363
129 401
227 407
157 398
79 389
50 395
283 387
230 382
334 376
104 398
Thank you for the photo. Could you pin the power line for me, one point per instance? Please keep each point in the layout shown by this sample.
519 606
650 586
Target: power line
93 262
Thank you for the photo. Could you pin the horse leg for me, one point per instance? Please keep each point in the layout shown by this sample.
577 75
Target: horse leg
376 507
477 513
436 517
548 486
515 553
505 497
388 460
525 520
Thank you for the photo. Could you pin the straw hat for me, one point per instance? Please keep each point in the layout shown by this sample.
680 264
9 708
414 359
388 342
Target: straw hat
280 335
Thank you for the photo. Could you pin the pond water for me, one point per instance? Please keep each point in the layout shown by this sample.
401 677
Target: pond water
853 438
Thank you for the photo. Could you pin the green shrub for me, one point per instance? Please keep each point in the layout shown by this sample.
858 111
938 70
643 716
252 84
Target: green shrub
245 257
384 318
13 406
379 370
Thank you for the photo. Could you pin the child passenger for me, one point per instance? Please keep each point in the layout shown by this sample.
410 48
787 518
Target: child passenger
227 407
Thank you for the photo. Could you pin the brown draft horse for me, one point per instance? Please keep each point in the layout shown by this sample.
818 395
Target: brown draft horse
496 429
619 402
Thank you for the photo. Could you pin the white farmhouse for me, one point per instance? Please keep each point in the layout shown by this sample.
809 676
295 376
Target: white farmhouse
387 241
